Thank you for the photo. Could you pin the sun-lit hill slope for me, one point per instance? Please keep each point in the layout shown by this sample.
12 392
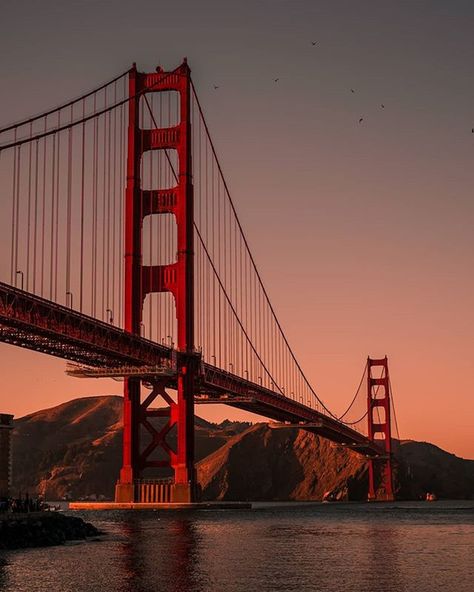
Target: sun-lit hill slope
281 464
74 450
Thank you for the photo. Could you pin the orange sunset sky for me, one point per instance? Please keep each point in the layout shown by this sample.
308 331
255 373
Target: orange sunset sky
363 232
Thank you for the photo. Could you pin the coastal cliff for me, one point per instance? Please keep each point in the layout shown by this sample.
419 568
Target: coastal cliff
74 451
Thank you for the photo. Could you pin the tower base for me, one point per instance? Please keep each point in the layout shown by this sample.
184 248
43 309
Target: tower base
384 497
156 492
124 493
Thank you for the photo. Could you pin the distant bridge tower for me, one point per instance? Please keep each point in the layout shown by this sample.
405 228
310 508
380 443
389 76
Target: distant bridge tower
378 402
176 278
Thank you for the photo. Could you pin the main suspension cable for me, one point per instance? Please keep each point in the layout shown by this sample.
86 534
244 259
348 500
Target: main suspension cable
70 103
82 120
275 318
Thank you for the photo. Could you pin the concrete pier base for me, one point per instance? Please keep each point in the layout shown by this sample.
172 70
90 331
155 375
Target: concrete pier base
149 491
159 506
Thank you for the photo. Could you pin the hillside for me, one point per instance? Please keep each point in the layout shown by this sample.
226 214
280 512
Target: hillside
281 464
74 450
298 465
427 467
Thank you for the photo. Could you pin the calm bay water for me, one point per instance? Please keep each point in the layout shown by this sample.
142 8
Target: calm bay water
400 547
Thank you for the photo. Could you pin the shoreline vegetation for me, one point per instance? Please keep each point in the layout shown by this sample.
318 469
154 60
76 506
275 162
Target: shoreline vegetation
42 529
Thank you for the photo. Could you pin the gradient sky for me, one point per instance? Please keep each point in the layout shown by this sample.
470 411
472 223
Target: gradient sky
363 233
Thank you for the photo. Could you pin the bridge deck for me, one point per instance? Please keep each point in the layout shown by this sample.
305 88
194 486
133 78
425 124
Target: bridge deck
223 387
38 324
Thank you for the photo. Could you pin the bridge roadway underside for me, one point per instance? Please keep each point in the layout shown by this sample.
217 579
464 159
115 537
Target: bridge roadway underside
38 324
219 386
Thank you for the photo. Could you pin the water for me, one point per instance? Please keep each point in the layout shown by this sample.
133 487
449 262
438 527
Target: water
400 547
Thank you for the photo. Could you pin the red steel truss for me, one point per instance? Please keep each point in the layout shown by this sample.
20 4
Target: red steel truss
35 323
41 325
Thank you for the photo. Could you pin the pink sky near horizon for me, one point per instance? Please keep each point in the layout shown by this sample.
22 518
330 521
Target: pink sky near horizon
363 233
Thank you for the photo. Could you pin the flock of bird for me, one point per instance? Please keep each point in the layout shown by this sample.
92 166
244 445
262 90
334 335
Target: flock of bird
361 119
313 43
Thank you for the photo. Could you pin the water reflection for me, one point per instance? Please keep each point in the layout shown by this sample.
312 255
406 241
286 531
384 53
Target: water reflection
352 548
383 545
158 554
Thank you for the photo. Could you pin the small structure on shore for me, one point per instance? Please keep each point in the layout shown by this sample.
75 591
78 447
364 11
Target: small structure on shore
6 427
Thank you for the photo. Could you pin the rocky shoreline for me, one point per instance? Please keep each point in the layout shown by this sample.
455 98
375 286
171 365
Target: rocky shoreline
42 529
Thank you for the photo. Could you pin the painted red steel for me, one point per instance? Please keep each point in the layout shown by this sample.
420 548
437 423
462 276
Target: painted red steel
38 324
35 323
379 429
262 401
177 278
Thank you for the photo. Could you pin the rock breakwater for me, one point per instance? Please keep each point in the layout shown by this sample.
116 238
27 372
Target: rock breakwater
42 529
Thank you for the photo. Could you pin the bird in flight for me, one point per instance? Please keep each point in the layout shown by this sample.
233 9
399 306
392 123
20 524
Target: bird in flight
352 90
276 79
215 87
361 120
313 42
383 106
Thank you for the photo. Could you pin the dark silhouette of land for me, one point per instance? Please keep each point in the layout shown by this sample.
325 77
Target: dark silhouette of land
74 451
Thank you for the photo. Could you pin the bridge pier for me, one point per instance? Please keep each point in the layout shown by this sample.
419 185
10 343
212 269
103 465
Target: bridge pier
179 415
380 481
156 491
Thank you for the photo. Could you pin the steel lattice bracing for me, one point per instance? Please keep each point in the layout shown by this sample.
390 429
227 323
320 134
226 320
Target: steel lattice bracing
92 270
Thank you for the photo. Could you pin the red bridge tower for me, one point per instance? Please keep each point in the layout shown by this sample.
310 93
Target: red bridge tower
176 278
378 401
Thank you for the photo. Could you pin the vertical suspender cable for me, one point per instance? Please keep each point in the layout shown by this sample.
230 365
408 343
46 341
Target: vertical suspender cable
14 220
81 240
35 217
28 219
43 210
56 221
51 245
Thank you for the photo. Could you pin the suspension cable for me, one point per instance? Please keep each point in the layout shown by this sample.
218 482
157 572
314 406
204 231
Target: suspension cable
393 407
70 103
82 120
234 311
303 375
356 394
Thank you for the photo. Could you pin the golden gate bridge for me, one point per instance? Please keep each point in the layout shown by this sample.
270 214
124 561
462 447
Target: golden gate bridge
156 284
